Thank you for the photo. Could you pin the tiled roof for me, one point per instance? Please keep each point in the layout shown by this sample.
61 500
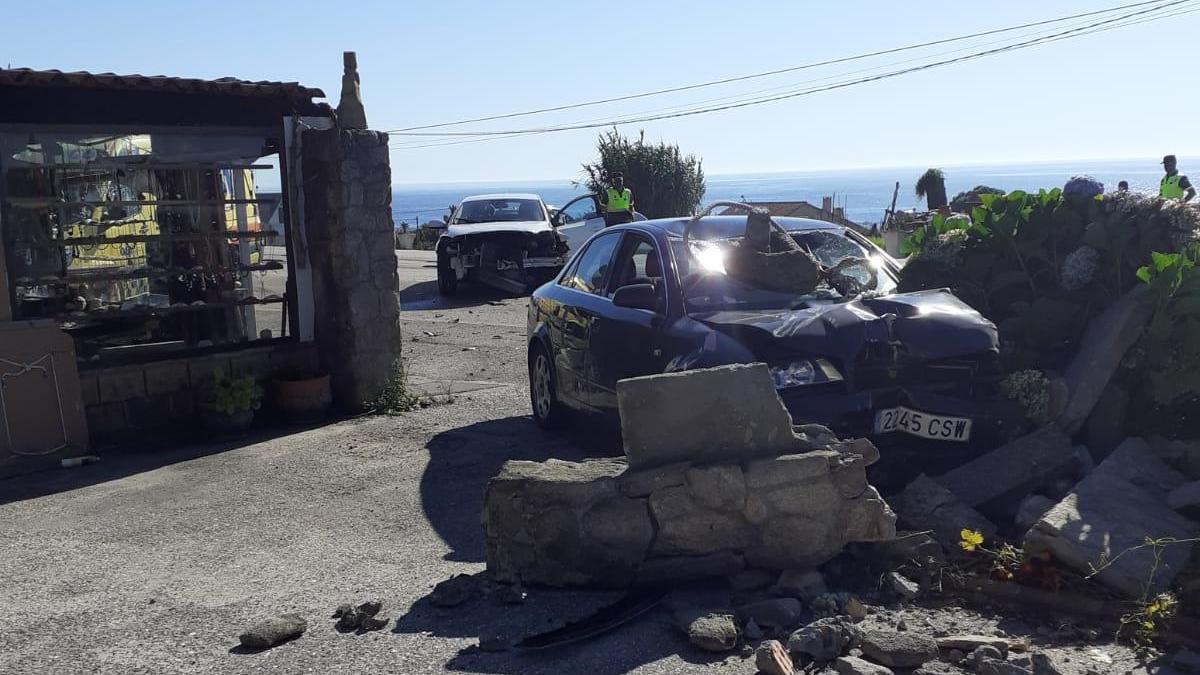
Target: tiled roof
26 77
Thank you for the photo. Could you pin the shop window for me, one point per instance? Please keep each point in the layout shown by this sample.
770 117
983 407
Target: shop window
140 244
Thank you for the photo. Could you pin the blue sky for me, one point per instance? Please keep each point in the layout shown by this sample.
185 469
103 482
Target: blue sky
1122 93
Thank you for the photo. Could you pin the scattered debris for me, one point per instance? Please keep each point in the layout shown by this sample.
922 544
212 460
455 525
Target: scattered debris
970 643
852 665
273 631
771 658
825 639
713 632
897 649
617 614
367 616
903 586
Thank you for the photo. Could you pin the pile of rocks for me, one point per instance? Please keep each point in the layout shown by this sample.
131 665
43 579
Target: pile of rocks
698 495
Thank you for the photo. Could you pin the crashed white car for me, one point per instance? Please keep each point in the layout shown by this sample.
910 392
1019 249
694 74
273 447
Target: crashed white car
503 240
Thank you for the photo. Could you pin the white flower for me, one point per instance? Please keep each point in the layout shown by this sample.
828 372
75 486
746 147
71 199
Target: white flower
1079 268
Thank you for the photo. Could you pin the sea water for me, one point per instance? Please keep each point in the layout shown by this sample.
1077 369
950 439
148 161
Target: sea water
865 193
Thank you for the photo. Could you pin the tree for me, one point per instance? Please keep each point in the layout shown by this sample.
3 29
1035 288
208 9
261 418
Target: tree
932 187
664 181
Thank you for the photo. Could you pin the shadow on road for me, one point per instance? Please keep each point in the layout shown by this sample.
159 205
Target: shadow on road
467 457
137 455
643 640
424 296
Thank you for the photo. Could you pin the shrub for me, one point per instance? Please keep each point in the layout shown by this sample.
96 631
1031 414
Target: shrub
232 395
664 182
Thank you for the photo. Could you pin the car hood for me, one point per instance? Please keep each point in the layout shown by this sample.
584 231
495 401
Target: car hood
530 226
927 325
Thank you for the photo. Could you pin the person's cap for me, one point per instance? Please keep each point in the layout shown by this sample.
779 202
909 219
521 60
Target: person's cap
1168 158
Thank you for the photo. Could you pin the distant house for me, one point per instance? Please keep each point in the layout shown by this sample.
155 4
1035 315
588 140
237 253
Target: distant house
827 212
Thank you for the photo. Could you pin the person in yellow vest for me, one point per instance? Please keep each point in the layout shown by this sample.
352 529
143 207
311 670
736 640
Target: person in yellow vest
1175 185
617 201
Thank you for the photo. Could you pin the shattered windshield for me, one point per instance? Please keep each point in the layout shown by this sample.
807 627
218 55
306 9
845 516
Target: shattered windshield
708 286
499 211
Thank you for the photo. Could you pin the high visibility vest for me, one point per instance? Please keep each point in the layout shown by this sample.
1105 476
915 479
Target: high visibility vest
1169 187
618 201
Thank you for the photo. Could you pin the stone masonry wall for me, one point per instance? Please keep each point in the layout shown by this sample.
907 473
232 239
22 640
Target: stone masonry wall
348 214
765 501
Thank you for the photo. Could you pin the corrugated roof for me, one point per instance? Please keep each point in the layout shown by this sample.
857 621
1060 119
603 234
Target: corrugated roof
27 77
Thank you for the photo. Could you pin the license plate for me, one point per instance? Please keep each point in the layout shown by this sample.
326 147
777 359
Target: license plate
922 424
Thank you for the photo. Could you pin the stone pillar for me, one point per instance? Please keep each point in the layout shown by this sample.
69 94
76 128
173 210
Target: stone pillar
356 290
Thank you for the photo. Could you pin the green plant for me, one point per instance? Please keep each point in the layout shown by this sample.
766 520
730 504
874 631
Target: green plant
426 239
1031 390
1171 343
232 395
1152 612
663 180
396 398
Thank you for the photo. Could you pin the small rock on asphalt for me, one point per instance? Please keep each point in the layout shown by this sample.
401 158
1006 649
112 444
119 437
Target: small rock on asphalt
713 633
851 665
772 659
970 643
273 631
825 639
899 650
981 652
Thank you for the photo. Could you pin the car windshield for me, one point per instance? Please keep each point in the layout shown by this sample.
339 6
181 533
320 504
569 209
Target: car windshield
708 287
499 211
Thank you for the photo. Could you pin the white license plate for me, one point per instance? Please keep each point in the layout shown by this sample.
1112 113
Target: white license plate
922 424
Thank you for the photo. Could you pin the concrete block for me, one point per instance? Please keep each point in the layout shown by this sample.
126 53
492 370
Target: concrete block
926 505
674 417
1112 511
1104 344
164 378
121 384
106 419
1013 469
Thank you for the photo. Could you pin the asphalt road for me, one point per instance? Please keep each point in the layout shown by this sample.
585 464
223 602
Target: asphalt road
153 561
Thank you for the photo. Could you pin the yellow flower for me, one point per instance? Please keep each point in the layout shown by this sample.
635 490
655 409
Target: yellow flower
970 540
1148 626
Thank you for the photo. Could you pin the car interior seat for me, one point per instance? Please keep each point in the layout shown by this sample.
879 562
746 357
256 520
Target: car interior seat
529 211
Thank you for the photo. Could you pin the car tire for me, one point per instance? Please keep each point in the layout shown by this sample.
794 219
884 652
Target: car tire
447 280
548 413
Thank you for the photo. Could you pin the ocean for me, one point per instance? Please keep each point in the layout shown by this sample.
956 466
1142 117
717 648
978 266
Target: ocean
865 193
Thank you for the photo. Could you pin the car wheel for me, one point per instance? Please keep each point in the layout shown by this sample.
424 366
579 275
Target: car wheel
446 278
543 391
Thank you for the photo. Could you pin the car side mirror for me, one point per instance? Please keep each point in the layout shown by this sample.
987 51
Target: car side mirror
556 220
637 296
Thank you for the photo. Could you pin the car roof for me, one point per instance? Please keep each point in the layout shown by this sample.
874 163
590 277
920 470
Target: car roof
503 195
732 226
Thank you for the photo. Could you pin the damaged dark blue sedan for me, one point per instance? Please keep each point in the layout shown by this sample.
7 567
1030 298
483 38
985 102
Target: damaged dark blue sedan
845 350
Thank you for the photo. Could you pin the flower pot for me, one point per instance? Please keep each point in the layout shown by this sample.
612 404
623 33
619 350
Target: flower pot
303 399
221 423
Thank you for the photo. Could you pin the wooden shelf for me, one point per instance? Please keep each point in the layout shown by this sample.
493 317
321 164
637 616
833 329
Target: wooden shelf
139 238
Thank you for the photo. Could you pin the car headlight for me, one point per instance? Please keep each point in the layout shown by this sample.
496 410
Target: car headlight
804 372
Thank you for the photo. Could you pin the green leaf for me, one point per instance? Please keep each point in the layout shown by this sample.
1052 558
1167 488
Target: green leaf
1143 273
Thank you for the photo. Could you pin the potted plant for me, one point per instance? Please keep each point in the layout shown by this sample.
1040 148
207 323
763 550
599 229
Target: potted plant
231 403
301 394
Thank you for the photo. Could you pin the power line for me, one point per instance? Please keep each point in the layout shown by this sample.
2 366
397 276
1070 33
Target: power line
1072 33
417 142
779 71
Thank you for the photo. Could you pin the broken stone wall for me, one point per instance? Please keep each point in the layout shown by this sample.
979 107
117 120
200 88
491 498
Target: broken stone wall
348 211
604 523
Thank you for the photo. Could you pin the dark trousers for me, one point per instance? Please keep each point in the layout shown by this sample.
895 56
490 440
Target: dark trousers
617 217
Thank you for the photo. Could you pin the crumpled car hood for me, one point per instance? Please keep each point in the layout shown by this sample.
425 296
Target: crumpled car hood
529 226
927 325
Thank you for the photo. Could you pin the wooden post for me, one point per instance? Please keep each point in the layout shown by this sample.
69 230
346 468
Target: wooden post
891 212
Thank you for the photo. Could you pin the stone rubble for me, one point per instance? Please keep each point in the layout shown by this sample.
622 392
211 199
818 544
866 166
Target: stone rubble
736 504
898 649
771 658
852 665
825 639
1116 508
713 633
